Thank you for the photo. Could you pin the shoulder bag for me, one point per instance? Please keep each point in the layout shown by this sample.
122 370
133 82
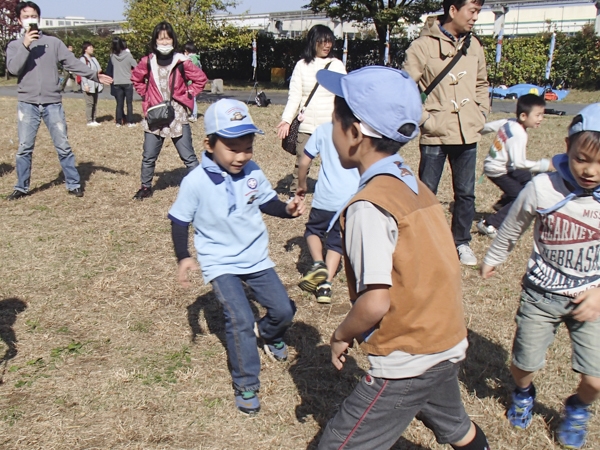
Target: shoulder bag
462 50
291 140
161 115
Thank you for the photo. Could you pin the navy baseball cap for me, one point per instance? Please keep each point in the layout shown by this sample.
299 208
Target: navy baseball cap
229 118
590 120
381 97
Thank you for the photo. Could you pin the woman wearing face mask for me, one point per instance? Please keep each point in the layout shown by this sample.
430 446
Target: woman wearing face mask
90 88
152 79
316 56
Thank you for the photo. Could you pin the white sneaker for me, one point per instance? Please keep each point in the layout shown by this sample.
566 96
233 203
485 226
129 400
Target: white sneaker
131 125
486 230
93 124
466 255
119 125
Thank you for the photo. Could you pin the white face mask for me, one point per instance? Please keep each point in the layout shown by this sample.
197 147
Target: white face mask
164 49
27 22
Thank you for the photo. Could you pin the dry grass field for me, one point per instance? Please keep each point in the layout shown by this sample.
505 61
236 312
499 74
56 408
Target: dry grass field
103 350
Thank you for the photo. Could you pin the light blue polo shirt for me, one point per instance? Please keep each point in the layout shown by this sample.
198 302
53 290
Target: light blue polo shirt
335 184
230 235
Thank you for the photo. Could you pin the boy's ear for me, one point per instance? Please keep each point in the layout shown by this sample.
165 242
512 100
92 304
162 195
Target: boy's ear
355 133
207 145
567 142
522 117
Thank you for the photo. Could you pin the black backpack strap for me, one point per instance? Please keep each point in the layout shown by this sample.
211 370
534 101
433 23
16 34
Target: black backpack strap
462 50
312 93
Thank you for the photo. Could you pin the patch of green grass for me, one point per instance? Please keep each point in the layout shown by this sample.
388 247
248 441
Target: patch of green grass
11 415
32 371
33 325
63 330
40 208
74 348
142 326
162 369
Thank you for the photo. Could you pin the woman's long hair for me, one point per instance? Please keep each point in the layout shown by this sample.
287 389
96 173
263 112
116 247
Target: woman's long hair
118 45
316 35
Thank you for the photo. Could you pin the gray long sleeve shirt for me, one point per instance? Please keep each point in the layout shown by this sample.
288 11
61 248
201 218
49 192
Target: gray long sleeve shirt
37 68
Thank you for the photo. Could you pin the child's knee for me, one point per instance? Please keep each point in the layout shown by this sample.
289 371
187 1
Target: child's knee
286 313
592 383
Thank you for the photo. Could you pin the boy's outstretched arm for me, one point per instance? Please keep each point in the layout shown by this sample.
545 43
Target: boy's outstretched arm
275 207
589 306
180 235
367 312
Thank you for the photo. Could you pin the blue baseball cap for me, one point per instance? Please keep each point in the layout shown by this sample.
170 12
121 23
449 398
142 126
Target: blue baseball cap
590 120
383 98
229 118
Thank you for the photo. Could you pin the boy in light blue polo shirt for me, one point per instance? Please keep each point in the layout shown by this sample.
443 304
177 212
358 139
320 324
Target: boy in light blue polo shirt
224 199
335 186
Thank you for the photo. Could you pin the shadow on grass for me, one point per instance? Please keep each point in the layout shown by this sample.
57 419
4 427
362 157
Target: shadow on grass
85 169
283 185
169 178
10 308
105 118
304 260
486 374
5 169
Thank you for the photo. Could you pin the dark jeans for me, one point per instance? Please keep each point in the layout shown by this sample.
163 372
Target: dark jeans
269 292
511 184
462 160
376 414
153 145
122 93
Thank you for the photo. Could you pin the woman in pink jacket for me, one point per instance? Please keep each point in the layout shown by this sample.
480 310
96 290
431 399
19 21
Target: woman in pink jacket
152 79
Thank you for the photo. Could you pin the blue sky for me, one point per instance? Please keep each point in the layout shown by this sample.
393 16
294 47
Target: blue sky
113 9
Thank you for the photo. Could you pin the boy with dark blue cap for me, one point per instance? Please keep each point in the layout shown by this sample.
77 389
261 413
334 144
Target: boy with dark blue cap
403 275
224 199
562 282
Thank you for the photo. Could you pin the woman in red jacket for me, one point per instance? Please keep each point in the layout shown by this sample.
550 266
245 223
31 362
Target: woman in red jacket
152 79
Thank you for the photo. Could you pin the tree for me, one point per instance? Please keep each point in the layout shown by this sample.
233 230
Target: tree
9 28
385 15
193 20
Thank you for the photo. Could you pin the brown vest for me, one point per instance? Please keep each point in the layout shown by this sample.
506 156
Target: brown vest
426 313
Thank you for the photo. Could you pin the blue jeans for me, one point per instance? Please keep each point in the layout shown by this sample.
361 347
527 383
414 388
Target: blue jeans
29 117
239 321
462 163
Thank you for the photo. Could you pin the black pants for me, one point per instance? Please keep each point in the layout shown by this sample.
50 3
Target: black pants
511 184
123 92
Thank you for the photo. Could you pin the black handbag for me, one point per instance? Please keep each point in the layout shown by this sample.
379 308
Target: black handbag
161 115
289 142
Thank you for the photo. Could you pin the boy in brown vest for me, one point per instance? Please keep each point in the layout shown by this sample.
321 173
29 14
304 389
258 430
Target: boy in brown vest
403 275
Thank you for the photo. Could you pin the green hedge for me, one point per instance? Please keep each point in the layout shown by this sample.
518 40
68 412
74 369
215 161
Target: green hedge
524 58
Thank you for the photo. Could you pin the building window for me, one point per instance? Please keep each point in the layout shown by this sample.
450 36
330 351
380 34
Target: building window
48 23
61 23
68 23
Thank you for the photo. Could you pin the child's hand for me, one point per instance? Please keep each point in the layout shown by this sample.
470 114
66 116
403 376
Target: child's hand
338 350
301 190
486 271
551 167
296 207
589 306
185 265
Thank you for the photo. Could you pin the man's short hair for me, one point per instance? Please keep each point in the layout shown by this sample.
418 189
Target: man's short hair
458 4
22 5
527 102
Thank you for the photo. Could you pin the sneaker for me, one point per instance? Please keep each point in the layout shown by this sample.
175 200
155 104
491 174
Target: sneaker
132 125
247 402
93 124
572 430
77 192
119 125
16 195
486 230
466 255
314 277
277 351
520 412
144 192
323 293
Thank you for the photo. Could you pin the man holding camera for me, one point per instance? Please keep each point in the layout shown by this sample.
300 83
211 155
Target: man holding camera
34 58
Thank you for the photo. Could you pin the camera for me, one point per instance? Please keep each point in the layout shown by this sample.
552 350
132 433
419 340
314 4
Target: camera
33 27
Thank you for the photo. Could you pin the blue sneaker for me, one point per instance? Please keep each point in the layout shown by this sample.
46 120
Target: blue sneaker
278 351
520 412
247 402
572 430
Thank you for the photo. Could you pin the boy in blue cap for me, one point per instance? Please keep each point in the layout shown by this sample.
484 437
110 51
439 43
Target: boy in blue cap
562 282
224 199
403 275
